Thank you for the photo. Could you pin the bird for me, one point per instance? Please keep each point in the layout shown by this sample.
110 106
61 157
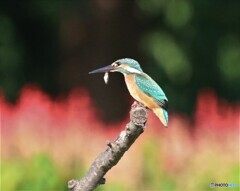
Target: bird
140 86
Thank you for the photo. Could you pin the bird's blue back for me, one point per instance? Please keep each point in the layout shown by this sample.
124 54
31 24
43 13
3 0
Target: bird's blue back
152 89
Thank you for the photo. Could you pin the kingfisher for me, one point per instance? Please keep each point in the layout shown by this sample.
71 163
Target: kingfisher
141 86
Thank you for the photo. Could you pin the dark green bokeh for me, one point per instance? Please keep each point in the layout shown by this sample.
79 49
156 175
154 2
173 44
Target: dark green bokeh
184 45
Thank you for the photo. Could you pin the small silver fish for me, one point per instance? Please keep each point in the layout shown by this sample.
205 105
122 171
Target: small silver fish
106 77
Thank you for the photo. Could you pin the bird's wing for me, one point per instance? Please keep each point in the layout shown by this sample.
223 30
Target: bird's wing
152 89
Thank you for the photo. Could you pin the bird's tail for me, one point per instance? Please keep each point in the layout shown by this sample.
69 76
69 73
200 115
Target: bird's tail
162 115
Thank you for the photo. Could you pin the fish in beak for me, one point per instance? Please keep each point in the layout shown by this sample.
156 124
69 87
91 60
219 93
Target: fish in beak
104 69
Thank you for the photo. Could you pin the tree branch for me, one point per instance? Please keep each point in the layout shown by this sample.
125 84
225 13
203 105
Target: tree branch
116 149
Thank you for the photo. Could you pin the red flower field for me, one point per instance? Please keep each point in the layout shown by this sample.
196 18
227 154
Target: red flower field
45 143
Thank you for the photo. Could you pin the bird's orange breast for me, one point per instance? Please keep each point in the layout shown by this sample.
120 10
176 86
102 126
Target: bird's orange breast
138 94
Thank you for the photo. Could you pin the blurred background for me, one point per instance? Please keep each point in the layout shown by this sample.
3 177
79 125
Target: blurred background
51 106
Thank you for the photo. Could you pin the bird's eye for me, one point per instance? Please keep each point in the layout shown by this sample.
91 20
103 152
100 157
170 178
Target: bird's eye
116 64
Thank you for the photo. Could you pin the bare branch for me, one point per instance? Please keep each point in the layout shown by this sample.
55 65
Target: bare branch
116 149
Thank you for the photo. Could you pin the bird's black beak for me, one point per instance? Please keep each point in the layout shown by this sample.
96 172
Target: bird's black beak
103 69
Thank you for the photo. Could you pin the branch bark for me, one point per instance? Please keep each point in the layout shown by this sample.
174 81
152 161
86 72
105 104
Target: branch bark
116 149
